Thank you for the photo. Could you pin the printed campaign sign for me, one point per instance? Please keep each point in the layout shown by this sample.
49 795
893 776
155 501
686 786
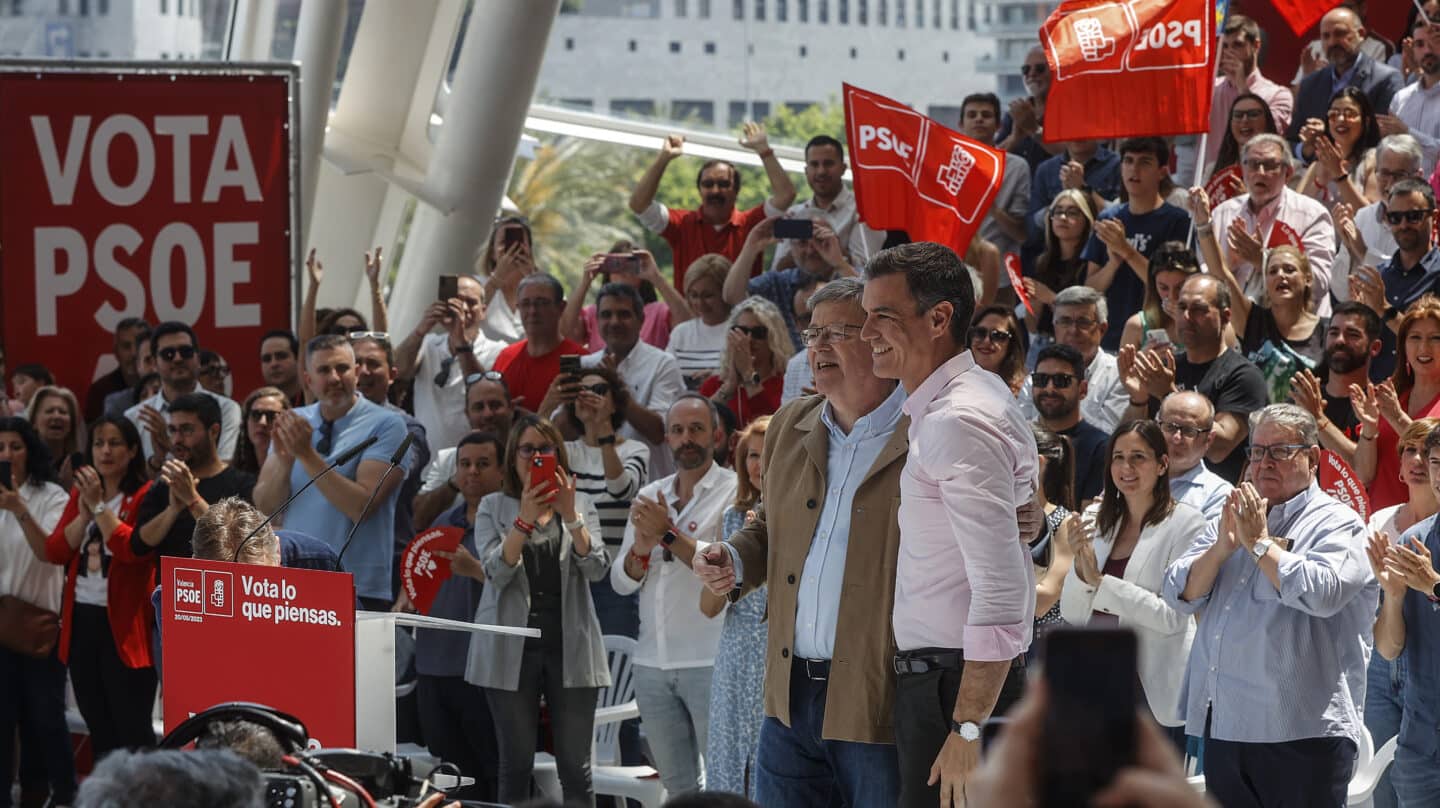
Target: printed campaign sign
1339 481
272 635
421 571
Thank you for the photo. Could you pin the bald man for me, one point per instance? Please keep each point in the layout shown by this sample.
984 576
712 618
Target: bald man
1188 420
1341 33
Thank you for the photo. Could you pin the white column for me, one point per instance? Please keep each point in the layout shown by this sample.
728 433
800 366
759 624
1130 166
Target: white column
490 95
254 30
317 49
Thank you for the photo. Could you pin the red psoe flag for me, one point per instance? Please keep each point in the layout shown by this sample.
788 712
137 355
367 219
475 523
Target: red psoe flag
1129 69
912 174
1301 14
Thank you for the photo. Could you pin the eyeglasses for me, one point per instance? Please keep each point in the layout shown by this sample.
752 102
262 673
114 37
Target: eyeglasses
267 416
1280 452
528 450
484 376
378 336
1037 69
1266 166
825 334
995 336
599 389
752 331
1066 213
220 371
721 184
1061 381
1417 216
1080 323
1394 176
183 351
1246 114
1190 432
1343 114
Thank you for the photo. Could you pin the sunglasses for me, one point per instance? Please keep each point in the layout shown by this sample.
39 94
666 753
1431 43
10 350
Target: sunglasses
600 389
378 336
1037 69
1411 216
484 376
752 331
182 351
995 336
1066 213
267 416
1061 381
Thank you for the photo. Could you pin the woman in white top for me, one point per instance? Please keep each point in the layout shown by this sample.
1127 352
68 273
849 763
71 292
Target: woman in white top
33 688
506 259
698 343
1122 548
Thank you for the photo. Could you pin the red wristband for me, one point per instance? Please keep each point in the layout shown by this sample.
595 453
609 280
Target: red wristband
644 560
524 526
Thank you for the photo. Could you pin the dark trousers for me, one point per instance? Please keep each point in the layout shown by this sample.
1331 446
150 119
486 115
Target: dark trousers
32 696
456 720
924 704
797 768
517 722
116 701
1308 773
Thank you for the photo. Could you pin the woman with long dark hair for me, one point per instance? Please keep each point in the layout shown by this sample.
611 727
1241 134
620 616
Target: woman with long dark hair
1250 115
107 617
1122 548
998 344
32 677
1050 552
1344 167
262 408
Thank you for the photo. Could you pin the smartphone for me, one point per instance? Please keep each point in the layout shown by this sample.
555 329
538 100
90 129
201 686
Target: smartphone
5 477
449 287
794 228
570 366
542 469
512 235
1090 721
1156 338
623 263
77 459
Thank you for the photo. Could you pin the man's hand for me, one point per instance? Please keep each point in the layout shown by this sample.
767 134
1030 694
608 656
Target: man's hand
1306 392
1249 514
649 270
1072 176
314 269
1112 233
1245 244
1029 517
1156 370
762 235
181 480
1391 125
1392 580
1130 376
1024 121
154 422
435 313
953 767
753 137
651 518
462 562
294 433
714 569
1350 234
1233 69
827 244
1198 203
672 146
562 390
1368 288
373 264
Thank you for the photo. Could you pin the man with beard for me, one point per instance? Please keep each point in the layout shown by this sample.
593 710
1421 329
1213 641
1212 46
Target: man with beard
488 409
1415 109
306 440
127 371
1414 269
833 203
675 654
1341 32
1056 388
280 364
1023 127
716 227
177 355
817 258
1246 224
1352 344
193 478
1364 233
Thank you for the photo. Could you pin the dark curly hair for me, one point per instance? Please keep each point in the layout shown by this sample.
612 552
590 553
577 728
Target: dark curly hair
619 394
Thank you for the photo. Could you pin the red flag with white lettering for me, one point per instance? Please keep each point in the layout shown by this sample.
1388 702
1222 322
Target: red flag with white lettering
1129 69
913 174
1301 14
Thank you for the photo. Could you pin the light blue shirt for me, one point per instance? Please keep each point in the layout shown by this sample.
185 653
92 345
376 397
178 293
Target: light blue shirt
370 554
1201 489
1282 665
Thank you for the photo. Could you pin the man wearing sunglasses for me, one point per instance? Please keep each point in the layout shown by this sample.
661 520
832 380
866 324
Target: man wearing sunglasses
1414 269
716 226
177 358
1022 128
1364 233
1286 603
1056 388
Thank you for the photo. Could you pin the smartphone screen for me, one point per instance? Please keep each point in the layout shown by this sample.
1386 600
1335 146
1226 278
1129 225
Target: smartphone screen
1090 724
1156 338
5 476
512 235
542 469
570 365
77 459
794 228
449 287
622 263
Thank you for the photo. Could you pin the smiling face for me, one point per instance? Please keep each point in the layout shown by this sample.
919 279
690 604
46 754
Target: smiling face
332 377
619 323
373 373
1422 348
1179 412
1412 237
989 349
1060 397
1347 348
718 191
108 452
1346 126
487 409
847 362
1134 468
1036 73
1247 119
905 342
703 295
823 170
478 470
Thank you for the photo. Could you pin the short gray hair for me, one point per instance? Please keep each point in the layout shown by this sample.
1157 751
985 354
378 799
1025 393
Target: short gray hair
1084 296
1290 416
215 778
1404 145
840 290
1267 138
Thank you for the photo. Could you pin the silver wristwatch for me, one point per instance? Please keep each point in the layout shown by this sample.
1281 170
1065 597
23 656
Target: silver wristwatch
98 509
967 730
1261 548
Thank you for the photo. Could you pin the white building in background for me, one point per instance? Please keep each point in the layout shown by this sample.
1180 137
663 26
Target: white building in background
707 59
1014 28
148 30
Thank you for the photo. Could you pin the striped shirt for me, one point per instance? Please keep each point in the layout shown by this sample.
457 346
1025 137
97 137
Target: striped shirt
611 497
697 346
1280 665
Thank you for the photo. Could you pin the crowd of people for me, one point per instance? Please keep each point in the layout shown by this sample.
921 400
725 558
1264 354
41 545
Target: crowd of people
835 498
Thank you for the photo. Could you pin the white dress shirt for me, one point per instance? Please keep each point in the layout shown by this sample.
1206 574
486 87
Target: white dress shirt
673 632
655 381
230 425
1419 108
441 408
22 574
1379 246
844 219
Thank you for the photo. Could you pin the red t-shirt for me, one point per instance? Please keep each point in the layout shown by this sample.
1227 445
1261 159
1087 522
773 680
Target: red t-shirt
1387 489
530 376
690 237
746 407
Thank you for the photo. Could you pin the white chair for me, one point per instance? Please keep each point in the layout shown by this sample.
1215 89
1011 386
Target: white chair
616 703
1369 765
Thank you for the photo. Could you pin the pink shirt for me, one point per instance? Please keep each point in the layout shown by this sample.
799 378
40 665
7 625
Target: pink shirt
963 578
1280 99
1306 216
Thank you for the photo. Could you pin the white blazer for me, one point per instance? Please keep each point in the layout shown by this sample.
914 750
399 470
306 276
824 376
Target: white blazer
1164 634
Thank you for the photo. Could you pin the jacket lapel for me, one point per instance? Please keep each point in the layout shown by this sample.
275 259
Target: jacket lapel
816 440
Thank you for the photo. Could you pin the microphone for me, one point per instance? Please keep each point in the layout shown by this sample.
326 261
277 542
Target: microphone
339 461
394 462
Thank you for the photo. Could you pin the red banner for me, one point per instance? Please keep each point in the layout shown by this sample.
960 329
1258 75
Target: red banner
421 571
1228 183
1301 14
912 174
158 196
1339 481
1128 69
277 636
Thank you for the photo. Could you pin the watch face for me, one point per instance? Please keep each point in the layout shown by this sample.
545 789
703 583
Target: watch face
668 539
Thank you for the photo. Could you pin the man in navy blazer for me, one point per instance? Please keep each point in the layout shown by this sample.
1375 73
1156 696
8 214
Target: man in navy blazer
1341 32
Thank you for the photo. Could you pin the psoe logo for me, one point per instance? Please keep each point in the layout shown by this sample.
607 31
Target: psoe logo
189 589
1090 36
1130 36
218 588
952 175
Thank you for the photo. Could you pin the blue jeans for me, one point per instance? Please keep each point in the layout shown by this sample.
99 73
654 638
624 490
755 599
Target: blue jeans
675 712
797 768
1384 701
1416 779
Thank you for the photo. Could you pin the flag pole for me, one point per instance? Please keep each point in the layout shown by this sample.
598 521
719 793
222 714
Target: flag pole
1223 7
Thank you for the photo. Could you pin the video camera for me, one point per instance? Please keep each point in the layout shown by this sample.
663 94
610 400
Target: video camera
327 778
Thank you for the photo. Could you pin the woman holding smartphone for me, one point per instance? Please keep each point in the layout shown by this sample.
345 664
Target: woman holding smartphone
540 549
1122 547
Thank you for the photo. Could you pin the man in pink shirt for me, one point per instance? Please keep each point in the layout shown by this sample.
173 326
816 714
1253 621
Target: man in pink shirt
964 583
1240 74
